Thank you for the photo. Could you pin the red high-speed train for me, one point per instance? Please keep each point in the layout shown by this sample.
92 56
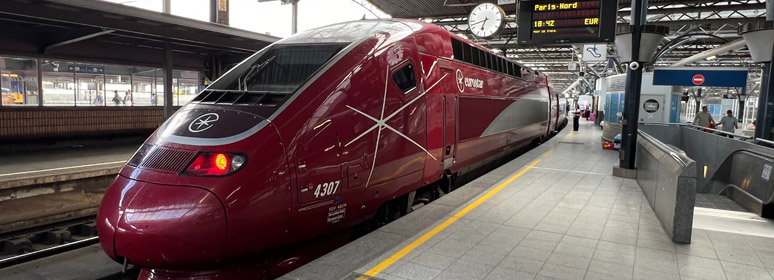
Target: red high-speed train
318 132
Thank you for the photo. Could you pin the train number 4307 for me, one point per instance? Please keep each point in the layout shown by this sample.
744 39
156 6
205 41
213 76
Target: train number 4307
326 189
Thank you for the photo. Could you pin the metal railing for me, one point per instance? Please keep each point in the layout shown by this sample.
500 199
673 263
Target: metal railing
724 133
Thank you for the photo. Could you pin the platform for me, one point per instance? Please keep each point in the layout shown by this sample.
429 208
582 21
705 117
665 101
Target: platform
553 213
49 186
73 159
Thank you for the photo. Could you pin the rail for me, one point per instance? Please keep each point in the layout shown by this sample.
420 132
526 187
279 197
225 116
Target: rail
47 252
736 136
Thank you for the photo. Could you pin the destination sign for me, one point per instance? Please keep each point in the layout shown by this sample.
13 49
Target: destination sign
563 21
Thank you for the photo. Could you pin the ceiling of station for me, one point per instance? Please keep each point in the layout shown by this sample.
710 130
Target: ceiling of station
695 26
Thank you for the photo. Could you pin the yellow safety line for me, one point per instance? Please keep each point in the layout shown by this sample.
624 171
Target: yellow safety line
400 254
550 151
62 168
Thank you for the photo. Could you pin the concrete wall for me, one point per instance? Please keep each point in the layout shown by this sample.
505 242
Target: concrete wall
668 180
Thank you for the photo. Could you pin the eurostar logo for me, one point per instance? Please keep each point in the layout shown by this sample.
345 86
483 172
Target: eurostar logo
203 122
381 123
460 80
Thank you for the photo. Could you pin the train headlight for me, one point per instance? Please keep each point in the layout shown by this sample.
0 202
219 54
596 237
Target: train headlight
215 164
237 161
140 155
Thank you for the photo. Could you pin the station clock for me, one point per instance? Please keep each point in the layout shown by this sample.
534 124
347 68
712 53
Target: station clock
486 20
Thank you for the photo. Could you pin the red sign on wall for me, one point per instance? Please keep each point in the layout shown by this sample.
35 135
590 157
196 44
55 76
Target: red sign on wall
698 79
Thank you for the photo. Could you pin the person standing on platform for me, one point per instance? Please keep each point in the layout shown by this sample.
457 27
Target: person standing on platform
587 112
703 118
576 118
728 123
128 97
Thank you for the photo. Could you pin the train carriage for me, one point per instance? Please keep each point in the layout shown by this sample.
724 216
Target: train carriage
318 132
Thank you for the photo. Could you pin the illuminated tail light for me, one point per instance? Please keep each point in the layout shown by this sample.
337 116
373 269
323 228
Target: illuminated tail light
140 155
215 164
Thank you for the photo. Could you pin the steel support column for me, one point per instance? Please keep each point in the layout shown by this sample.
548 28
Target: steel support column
742 97
168 90
295 17
765 104
765 100
166 7
697 99
633 88
219 11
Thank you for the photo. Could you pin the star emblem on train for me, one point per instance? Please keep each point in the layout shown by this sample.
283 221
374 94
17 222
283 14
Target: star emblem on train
460 80
381 122
203 122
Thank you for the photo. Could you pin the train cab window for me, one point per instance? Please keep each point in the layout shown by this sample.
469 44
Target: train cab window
276 73
404 78
516 70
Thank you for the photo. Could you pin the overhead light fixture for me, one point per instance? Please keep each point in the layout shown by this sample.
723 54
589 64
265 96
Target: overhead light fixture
712 57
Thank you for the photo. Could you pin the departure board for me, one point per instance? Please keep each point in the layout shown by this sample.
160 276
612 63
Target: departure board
566 22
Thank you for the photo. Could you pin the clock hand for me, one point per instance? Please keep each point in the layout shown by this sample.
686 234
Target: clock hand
480 21
482 26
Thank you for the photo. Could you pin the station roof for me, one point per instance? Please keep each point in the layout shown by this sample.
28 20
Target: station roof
112 33
432 8
697 26
461 8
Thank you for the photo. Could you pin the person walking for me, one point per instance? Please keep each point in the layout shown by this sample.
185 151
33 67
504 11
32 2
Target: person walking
728 123
116 98
703 118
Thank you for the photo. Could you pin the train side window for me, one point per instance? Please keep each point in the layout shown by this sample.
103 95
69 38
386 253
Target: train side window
467 51
405 79
477 53
458 49
475 59
516 70
488 60
509 68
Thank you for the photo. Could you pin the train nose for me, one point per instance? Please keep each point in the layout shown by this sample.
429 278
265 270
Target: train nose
163 226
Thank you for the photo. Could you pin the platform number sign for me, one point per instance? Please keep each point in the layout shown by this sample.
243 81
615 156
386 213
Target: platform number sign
766 172
698 79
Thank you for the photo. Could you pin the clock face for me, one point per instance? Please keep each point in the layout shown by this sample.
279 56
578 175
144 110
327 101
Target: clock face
486 20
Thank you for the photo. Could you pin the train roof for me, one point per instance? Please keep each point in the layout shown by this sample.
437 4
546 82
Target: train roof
389 29
354 31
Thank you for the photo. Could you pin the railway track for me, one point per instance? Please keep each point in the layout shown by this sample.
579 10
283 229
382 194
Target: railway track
48 214
45 240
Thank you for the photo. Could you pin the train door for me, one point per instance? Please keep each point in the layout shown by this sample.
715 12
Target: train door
555 111
319 182
449 130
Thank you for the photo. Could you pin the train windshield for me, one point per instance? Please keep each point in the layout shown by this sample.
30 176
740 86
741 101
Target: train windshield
281 69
